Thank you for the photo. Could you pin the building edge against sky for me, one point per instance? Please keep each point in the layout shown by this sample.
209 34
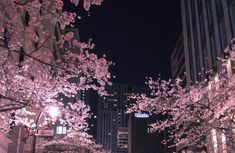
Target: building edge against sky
178 62
208 27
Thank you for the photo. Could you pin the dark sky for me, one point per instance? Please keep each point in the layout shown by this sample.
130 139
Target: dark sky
139 36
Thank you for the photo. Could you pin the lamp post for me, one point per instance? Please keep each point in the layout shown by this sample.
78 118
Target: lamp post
53 111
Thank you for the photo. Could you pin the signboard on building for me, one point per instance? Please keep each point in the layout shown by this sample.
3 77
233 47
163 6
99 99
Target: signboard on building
141 115
45 133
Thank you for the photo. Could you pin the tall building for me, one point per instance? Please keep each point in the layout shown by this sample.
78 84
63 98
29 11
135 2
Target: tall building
178 67
208 27
112 121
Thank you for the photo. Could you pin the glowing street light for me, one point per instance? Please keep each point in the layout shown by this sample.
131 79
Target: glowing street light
53 112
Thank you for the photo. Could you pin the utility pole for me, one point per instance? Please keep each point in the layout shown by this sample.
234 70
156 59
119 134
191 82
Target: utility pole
17 135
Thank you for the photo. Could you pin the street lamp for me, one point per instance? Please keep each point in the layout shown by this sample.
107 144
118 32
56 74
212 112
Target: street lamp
53 112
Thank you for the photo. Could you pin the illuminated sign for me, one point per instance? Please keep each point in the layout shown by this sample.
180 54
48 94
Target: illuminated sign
45 133
141 115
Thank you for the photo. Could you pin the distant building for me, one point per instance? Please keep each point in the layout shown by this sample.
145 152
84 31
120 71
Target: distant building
122 140
142 141
208 27
178 69
112 119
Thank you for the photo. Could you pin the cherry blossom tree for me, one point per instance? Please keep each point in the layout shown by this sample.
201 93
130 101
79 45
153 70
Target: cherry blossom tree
200 117
38 70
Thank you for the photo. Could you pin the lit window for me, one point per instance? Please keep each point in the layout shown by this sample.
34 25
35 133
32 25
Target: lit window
214 140
217 82
228 66
61 130
224 148
232 15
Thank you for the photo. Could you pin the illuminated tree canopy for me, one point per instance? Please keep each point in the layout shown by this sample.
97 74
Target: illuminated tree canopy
41 63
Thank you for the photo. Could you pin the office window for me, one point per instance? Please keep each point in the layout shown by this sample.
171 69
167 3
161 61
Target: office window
190 59
202 27
232 67
187 15
197 57
199 4
209 13
193 11
232 17
195 37
223 140
214 140
222 31
198 67
205 59
229 2
61 130
219 5
213 49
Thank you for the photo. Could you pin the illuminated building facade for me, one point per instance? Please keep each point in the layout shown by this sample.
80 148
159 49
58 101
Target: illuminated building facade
122 140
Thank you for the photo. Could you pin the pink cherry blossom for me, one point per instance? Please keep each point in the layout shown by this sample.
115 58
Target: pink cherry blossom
36 70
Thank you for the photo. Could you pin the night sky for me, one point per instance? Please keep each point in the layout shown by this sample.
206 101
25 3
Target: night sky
138 36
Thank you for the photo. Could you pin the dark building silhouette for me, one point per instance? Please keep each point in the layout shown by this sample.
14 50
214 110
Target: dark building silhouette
141 140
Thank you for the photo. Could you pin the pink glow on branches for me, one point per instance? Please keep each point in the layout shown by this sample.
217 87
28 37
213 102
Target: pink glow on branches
36 69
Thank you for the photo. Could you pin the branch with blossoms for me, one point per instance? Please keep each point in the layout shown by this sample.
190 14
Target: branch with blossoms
39 73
